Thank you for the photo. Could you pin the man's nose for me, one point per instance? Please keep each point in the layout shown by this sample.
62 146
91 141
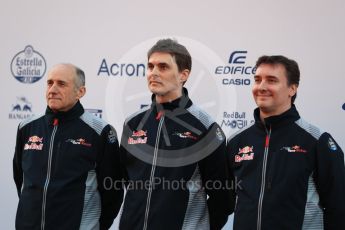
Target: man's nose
52 89
262 85
153 72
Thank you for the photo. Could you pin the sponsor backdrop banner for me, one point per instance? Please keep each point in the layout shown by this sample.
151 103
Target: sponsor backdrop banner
109 41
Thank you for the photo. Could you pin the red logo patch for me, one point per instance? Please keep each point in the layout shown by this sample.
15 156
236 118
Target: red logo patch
138 137
244 154
34 142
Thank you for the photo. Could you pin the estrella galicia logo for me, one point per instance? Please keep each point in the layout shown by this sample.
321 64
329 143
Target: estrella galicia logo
21 109
236 66
344 106
96 112
28 66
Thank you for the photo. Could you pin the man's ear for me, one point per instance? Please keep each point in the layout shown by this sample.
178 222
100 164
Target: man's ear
81 92
184 74
293 90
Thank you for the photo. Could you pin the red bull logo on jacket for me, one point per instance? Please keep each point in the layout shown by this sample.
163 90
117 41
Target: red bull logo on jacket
138 137
244 154
34 143
140 133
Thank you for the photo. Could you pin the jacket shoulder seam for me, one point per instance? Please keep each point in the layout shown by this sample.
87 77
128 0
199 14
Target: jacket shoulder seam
130 117
29 120
239 132
309 128
201 115
96 123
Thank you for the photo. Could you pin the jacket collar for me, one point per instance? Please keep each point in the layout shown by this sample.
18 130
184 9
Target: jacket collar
182 102
291 115
76 111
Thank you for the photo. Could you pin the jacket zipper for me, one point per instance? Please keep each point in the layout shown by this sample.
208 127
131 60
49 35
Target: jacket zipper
51 144
153 168
263 178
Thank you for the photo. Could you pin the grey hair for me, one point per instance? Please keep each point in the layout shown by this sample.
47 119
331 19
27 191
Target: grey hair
80 77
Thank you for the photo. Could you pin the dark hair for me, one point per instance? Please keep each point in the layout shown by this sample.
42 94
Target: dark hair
291 68
176 50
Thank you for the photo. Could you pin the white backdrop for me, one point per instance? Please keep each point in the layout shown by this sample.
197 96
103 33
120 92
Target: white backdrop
109 40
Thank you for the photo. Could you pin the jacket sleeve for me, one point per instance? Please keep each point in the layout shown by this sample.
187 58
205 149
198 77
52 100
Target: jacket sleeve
109 178
218 181
17 162
330 180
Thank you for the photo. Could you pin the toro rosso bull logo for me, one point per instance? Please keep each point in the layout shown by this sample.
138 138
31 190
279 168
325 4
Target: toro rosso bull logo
185 135
138 137
244 154
294 149
34 143
80 141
